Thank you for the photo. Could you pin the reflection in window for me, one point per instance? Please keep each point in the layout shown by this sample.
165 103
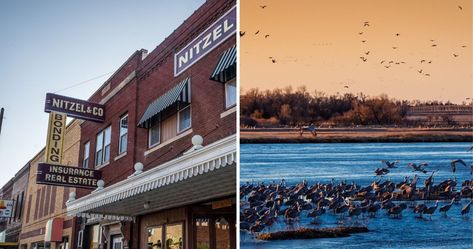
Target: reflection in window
185 118
230 94
155 236
95 237
202 233
174 236
222 233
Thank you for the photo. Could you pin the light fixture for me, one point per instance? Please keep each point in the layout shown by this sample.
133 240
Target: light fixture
146 205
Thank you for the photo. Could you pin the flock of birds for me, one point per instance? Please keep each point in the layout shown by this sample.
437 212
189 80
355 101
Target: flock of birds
367 53
263 205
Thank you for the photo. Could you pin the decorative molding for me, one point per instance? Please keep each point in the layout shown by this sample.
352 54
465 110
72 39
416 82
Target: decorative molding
209 158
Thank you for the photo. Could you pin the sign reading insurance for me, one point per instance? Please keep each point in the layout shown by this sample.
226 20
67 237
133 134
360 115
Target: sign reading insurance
60 175
74 107
217 33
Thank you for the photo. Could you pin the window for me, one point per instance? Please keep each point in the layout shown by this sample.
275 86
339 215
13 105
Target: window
155 236
184 119
102 151
230 94
85 163
154 134
122 140
174 236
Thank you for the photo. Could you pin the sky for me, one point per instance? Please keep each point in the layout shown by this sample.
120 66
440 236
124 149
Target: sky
47 46
319 44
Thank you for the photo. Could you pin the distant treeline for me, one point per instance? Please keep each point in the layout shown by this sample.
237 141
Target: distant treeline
289 107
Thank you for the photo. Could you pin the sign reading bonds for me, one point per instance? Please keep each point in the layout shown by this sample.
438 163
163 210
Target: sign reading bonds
6 208
55 139
74 107
60 175
217 33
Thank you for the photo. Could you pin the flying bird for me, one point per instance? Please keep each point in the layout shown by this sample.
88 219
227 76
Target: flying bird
266 36
367 53
453 165
430 62
397 34
382 61
434 45
455 55
365 24
360 33
363 41
387 66
422 61
346 86
274 60
242 33
464 46
394 47
420 71
427 74
263 6
460 7
363 58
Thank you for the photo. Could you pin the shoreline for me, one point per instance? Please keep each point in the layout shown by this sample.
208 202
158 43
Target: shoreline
356 135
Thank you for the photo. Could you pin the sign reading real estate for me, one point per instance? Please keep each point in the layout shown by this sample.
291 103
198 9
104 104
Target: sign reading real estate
74 107
61 175
205 42
55 137
6 208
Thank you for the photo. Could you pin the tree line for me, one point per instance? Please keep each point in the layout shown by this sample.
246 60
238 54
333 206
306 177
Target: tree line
289 107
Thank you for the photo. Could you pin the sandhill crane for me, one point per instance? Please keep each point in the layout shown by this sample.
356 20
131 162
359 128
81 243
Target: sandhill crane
466 208
444 209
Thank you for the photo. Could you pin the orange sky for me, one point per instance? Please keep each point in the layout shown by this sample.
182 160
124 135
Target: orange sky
317 44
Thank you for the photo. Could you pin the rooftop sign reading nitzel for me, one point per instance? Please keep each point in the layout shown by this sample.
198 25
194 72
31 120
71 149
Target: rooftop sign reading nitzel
217 33
60 175
74 107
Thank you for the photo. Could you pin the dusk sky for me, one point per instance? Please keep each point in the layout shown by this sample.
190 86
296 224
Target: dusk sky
46 46
412 49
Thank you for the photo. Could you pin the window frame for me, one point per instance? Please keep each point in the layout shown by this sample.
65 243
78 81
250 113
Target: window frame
158 124
103 133
227 106
179 119
120 135
86 155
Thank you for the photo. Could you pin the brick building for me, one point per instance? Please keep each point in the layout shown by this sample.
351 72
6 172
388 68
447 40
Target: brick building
167 146
45 205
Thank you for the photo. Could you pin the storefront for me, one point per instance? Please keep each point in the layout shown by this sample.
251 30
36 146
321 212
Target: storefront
167 146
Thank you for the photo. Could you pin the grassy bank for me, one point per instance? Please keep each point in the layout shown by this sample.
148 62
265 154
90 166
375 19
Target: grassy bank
357 135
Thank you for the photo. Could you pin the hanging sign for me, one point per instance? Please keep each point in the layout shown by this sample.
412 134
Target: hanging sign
6 208
55 137
74 107
206 41
60 175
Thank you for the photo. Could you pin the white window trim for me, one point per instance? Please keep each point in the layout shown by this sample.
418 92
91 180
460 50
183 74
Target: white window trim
121 135
178 121
179 136
149 136
228 112
226 95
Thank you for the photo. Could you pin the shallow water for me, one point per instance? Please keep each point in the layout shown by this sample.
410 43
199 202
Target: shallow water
356 162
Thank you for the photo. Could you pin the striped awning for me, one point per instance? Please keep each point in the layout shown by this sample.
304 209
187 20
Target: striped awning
180 93
226 67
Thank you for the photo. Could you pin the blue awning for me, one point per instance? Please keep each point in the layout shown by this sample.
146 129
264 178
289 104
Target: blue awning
226 66
180 93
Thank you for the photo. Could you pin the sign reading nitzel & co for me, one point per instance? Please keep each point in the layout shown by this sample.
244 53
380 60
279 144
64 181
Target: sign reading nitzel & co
60 175
74 107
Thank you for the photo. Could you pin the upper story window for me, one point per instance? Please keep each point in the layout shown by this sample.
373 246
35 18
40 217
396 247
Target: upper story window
102 150
123 138
184 117
230 94
154 134
169 127
85 162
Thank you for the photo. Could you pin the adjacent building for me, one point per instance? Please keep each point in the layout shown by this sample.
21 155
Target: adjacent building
45 224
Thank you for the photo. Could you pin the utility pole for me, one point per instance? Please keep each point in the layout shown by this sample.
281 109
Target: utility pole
1 119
